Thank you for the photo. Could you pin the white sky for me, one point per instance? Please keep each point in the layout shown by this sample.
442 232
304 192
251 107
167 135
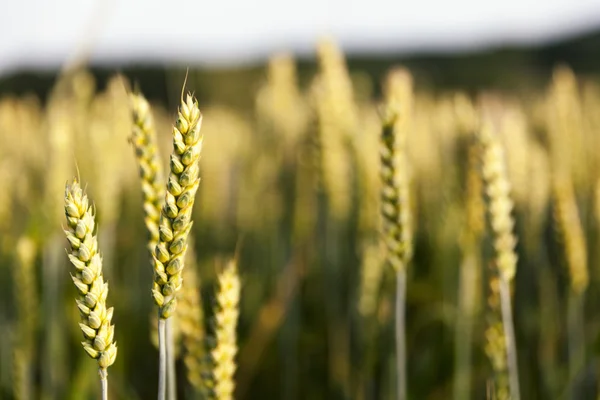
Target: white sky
46 33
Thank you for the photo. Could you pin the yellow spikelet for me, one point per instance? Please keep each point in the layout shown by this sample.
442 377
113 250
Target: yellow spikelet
27 311
176 215
220 166
539 188
370 280
143 139
337 121
497 188
96 326
571 233
366 150
500 346
279 103
565 126
395 207
222 384
109 126
190 319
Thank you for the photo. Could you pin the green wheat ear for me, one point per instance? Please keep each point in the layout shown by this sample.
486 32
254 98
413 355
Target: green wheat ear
96 326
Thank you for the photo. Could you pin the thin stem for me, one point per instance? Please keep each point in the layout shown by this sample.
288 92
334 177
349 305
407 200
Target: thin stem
509 334
171 377
104 383
576 341
401 333
162 360
464 326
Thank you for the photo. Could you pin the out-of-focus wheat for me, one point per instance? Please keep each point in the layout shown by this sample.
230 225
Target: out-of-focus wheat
191 324
395 207
571 234
143 139
280 105
222 383
27 308
500 338
336 124
469 295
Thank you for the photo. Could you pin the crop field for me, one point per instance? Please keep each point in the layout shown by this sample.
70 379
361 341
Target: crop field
338 238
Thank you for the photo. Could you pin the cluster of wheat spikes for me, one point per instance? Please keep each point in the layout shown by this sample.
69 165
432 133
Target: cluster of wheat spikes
425 244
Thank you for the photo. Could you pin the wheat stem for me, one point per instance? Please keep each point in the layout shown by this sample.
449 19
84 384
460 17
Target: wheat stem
171 377
509 335
104 383
162 360
576 341
401 333
395 202
501 345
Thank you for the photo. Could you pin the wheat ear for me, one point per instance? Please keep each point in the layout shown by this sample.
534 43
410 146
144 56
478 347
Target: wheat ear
570 233
226 319
143 139
501 347
176 220
83 253
191 325
395 209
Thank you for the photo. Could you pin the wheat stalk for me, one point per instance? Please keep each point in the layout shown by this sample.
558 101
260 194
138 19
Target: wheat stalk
470 268
175 220
83 253
223 355
395 208
501 346
572 237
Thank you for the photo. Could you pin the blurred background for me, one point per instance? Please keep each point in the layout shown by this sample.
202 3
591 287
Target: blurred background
465 43
291 94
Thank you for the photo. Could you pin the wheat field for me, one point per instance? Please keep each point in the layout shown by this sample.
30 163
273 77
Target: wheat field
328 241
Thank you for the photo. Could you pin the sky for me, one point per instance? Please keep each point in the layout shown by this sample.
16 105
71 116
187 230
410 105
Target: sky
49 34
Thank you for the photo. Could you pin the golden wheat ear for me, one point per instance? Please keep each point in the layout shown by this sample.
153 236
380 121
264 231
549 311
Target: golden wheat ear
500 337
176 215
396 224
98 332
190 318
174 227
143 139
222 382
